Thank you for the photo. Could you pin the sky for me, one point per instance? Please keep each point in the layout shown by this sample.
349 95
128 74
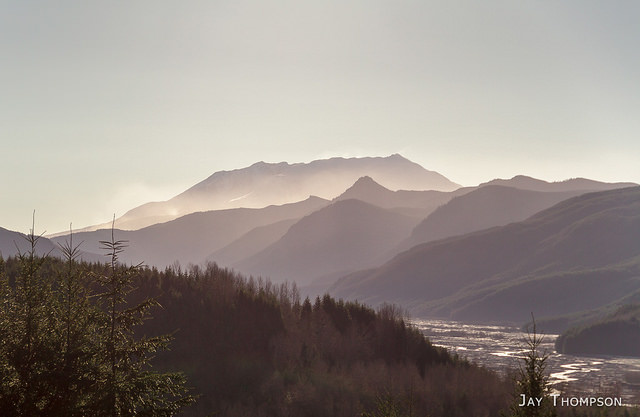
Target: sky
107 105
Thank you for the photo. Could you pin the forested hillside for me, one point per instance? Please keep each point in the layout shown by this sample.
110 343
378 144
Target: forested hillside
107 339
252 348
616 334
245 346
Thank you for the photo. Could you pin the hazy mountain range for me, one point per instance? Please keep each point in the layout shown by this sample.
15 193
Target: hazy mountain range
191 238
388 230
356 239
263 184
579 254
482 208
345 236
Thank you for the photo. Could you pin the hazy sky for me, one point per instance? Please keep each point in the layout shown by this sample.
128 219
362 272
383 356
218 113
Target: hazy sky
106 105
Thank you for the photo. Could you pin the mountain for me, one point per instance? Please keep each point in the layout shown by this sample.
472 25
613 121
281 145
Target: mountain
415 204
11 243
482 208
263 184
368 190
344 236
191 238
574 184
577 255
251 242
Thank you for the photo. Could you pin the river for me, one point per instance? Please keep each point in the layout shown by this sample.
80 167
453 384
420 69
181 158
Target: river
500 347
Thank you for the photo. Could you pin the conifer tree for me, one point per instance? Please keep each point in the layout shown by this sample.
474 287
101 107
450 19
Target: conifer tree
129 388
74 388
532 380
28 347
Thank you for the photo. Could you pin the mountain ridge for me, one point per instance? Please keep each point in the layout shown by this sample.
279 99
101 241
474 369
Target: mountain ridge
484 207
193 237
343 236
526 182
370 191
485 274
263 184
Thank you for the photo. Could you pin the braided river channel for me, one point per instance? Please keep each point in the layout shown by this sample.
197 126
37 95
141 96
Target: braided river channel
500 348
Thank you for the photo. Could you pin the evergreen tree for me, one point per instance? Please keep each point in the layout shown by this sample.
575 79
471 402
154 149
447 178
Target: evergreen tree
532 380
129 388
74 388
28 346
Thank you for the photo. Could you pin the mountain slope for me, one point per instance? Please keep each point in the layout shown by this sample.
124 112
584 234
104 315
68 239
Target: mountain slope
11 243
415 204
345 236
264 184
590 242
482 208
193 237
251 242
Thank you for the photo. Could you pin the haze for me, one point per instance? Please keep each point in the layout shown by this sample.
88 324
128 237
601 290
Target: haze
109 105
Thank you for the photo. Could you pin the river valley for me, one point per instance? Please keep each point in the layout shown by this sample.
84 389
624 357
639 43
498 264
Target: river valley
500 347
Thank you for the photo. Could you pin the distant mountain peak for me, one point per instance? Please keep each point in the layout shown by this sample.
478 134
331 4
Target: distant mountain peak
366 189
394 158
263 183
525 177
515 181
263 164
367 181
258 164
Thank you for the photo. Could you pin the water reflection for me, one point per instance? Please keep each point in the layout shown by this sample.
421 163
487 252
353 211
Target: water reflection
500 348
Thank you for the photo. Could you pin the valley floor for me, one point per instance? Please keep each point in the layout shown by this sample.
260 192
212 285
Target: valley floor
499 347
